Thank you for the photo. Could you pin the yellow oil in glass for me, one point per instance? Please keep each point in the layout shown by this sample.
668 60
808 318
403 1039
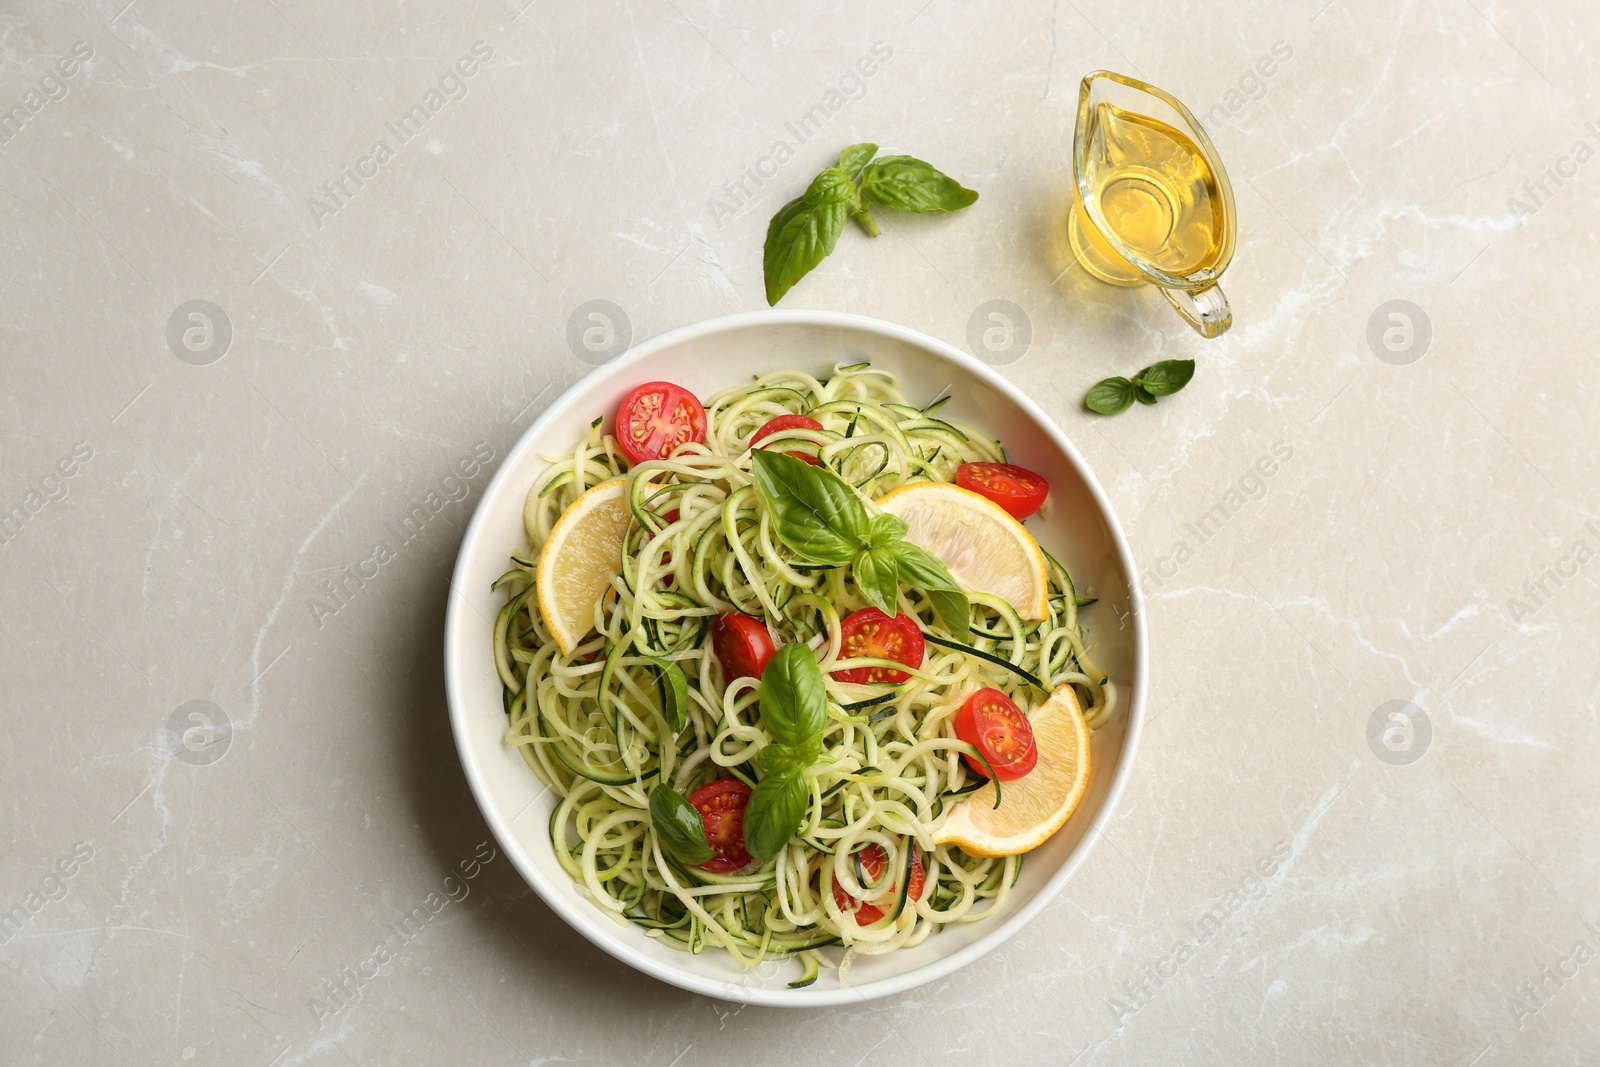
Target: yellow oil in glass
1157 194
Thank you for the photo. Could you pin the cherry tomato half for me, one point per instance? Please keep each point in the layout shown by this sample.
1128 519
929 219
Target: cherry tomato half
788 422
721 805
869 632
1017 489
871 859
995 726
657 417
742 644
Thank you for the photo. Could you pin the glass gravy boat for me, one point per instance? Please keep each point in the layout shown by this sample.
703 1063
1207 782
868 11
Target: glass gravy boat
1152 202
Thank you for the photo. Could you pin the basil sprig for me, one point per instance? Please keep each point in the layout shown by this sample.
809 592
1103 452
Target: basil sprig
805 230
678 826
794 711
822 519
1113 395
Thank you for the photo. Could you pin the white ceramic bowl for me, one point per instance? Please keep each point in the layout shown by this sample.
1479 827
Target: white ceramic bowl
1082 532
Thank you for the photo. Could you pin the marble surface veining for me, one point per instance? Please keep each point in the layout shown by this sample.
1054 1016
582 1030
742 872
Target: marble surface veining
276 273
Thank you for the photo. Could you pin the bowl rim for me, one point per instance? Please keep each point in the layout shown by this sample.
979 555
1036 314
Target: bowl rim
583 916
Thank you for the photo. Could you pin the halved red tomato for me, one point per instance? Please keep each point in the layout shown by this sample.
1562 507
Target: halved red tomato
995 726
871 859
869 632
657 417
788 422
721 804
1017 489
742 643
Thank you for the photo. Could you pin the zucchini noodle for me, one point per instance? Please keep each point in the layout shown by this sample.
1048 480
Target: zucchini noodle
593 726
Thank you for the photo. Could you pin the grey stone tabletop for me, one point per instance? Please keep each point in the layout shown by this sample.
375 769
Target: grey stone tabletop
284 281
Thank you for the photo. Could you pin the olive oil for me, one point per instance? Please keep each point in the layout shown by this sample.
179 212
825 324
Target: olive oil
1158 195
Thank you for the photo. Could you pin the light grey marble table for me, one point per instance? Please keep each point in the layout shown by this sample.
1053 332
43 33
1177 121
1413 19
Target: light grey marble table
277 274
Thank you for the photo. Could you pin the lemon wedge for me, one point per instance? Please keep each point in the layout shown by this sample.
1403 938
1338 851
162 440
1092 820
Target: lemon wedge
986 549
577 563
1039 803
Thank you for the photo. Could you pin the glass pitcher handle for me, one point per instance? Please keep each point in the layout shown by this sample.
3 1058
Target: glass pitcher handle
1207 310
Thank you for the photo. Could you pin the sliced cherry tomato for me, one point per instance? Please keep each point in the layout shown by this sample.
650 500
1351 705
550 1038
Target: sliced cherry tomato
788 422
871 859
992 724
742 644
783 422
869 632
1017 489
721 805
657 417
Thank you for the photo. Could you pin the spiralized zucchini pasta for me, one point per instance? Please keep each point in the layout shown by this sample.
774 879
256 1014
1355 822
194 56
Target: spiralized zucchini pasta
756 697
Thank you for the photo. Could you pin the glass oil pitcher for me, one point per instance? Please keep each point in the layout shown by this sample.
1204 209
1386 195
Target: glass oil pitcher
1152 203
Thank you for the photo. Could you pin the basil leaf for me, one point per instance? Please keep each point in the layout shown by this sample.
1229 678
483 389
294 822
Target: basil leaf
833 186
1166 377
814 511
776 809
674 689
799 237
955 612
804 231
780 759
908 184
794 702
885 530
1141 394
923 570
877 575
1110 396
852 159
678 826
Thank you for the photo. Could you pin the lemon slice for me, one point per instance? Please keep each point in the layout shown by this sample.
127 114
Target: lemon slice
1039 803
582 555
986 549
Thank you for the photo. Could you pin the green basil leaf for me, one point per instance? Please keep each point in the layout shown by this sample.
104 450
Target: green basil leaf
908 184
833 186
852 159
1166 377
814 511
923 570
1110 396
877 574
674 689
799 237
794 702
776 809
885 531
678 826
1141 394
955 612
780 759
